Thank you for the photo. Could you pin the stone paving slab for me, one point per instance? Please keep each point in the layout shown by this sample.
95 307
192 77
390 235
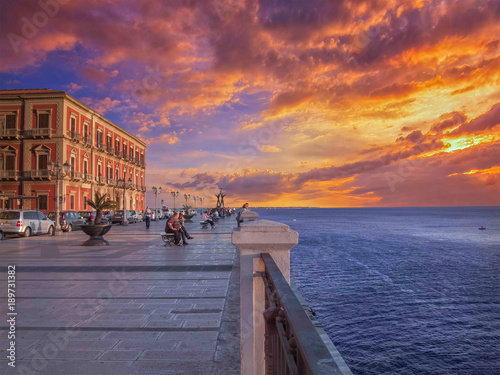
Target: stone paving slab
134 307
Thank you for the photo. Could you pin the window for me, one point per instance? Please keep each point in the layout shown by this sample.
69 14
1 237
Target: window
99 137
85 166
43 120
85 129
73 162
109 172
42 161
99 170
131 151
43 202
109 141
10 162
117 172
8 124
72 202
137 154
124 148
142 157
85 202
73 124
117 144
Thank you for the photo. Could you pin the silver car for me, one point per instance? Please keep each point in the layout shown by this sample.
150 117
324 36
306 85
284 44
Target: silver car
25 223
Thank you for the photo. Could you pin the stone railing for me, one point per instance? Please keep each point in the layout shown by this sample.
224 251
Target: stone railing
277 334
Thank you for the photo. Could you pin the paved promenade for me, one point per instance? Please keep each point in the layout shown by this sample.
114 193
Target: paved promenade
134 307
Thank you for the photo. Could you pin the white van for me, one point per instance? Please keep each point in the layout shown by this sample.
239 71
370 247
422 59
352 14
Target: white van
25 223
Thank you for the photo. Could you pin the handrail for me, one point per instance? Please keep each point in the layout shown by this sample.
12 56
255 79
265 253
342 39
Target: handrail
295 331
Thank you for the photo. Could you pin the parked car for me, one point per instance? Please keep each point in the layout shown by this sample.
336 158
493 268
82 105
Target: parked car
89 217
25 223
160 215
140 217
107 215
1 234
68 220
118 217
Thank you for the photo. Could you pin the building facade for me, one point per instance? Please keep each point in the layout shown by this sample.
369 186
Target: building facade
42 126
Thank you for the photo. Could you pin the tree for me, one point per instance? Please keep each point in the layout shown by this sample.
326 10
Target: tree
186 208
100 204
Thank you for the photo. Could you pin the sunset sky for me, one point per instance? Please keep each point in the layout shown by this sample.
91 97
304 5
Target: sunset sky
282 102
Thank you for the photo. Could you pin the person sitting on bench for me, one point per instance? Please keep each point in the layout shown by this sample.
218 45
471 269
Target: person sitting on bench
170 227
184 232
208 219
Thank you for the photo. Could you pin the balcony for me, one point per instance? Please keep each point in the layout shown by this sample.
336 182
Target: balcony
9 134
118 153
132 186
100 180
110 150
75 176
142 164
87 177
74 136
38 133
10 175
87 141
111 182
100 146
39 174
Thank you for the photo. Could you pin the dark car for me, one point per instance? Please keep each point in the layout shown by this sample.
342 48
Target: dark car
118 217
89 217
68 220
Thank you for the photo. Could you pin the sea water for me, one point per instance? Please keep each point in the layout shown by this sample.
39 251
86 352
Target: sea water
402 290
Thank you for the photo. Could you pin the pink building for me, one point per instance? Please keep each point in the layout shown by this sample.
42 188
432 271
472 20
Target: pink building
39 126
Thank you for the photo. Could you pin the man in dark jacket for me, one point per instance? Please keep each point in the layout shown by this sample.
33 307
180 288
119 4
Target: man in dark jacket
172 227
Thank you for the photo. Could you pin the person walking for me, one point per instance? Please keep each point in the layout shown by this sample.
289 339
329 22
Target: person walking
147 214
240 211
172 226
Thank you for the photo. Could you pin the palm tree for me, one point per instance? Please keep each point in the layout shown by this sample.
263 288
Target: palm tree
186 208
100 204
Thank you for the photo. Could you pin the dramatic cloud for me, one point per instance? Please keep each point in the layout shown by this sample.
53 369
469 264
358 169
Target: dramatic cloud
285 102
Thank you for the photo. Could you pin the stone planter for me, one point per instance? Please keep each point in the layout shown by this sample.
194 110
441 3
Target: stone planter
188 217
96 232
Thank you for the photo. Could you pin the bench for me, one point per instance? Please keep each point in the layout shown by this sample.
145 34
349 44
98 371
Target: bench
203 224
168 238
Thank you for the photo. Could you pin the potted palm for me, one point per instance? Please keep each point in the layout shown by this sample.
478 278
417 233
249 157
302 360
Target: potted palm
97 230
186 209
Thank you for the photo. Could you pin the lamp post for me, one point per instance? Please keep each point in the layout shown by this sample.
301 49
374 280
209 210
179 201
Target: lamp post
174 194
201 203
186 197
60 172
195 199
125 184
156 191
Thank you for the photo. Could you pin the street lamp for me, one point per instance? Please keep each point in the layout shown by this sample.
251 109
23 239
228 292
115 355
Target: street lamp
174 194
125 184
195 199
186 197
201 203
156 191
60 172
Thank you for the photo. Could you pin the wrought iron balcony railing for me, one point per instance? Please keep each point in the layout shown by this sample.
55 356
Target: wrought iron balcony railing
87 177
100 146
75 175
110 150
38 132
118 153
74 136
38 174
87 141
9 133
9 175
